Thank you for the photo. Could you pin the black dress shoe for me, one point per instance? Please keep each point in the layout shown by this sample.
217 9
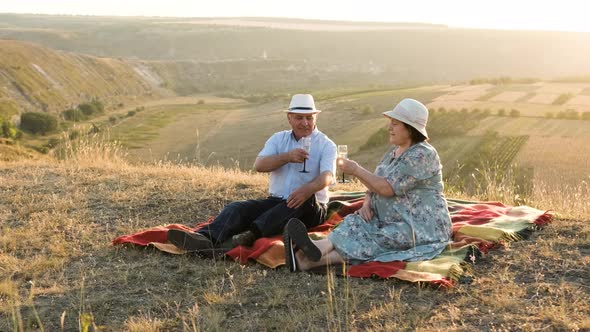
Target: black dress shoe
218 251
297 231
189 241
246 239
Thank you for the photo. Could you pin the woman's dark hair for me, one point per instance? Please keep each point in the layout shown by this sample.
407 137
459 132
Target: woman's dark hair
415 135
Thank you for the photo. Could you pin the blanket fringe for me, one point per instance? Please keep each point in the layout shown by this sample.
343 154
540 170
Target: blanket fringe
544 219
511 236
444 283
461 273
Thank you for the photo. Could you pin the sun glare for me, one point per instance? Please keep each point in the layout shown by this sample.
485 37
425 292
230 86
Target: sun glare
565 15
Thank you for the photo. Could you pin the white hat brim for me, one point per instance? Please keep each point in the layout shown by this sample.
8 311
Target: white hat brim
395 115
302 111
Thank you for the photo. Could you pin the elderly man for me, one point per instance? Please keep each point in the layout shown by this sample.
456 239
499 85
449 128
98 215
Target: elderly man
293 193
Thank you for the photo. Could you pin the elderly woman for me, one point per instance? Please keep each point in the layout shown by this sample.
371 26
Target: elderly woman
404 216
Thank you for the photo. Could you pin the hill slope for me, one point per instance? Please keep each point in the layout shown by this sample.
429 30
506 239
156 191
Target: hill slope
36 78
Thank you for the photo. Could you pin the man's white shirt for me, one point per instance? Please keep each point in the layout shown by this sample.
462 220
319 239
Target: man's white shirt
287 178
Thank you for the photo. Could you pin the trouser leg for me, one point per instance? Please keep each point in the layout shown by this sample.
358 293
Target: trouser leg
274 220
236 217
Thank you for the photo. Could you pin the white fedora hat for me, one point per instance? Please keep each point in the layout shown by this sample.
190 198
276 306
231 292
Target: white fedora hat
302 104
411 112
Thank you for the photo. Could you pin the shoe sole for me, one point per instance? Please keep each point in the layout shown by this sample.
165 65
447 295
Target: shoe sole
297 231
185 241
290 259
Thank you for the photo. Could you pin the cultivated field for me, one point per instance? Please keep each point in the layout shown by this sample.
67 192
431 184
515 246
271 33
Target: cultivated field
231 132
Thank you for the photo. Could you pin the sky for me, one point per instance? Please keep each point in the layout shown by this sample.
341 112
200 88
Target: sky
562 15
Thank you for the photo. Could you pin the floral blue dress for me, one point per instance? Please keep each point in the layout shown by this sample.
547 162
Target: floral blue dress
412 225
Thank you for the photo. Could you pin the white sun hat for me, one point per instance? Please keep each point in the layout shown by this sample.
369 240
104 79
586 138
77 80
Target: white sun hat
302 104
411 112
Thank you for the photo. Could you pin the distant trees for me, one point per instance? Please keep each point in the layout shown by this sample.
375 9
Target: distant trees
568 114
503 80
84 111
563 98
38 123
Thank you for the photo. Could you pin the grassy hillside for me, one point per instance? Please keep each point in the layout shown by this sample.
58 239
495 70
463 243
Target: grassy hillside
35 78
307 54
57 267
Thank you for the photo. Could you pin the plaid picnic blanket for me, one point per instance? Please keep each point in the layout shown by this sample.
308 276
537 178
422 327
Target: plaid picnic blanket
477 228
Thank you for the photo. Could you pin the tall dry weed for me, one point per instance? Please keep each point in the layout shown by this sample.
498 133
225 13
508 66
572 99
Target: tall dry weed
91 149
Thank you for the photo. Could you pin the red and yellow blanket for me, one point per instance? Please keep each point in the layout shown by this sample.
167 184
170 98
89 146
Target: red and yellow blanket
477 228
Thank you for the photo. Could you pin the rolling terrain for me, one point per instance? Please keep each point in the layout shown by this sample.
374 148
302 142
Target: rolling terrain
232 134
189 104
253 55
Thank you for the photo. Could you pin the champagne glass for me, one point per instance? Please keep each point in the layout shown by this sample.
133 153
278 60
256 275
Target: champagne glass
305 145
343 154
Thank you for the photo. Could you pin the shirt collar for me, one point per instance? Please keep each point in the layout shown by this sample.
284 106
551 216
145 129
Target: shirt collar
313 133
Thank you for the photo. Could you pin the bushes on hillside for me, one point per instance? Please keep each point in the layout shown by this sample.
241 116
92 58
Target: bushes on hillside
514 113
7 130
84 111
73 114
367 109
92 108
38 123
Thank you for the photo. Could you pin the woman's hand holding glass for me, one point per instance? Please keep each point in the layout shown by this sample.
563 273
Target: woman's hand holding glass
346 165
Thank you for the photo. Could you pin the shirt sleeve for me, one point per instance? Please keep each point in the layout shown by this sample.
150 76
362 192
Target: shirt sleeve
328 158
270 147
420 164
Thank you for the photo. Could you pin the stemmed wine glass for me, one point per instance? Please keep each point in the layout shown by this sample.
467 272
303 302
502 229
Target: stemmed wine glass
343 154
305 145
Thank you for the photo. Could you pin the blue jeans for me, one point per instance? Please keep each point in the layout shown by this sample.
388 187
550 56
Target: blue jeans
264 217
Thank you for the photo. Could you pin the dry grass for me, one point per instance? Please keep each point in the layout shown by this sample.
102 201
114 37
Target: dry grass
561 175
59 271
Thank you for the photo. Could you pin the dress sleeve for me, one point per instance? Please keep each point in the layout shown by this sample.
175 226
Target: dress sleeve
419 164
